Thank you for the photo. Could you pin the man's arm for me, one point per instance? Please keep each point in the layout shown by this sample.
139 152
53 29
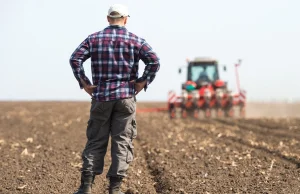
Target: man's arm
151 60
79 56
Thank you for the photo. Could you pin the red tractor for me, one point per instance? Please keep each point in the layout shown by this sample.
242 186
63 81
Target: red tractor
205 92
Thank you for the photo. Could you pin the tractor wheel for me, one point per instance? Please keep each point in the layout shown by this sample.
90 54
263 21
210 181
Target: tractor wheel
242 112
207 113
184 114
172 111
220 113
196 114
231 112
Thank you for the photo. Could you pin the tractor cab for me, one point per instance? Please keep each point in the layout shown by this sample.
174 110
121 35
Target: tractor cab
203 72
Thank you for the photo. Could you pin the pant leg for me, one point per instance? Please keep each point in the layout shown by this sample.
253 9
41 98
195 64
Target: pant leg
97 133
123 131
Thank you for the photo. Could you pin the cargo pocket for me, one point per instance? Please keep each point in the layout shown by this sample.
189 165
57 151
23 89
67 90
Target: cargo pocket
130 152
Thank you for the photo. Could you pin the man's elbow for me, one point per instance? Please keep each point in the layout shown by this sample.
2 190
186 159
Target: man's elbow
157 66
71 60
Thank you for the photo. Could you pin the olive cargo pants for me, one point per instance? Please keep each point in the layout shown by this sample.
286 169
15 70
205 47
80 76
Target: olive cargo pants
115 119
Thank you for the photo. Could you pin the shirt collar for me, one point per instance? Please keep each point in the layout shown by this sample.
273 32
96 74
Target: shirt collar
116 26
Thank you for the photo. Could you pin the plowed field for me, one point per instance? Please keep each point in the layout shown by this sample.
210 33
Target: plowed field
41 144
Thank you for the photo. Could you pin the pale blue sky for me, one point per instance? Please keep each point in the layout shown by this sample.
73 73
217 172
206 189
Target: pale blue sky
38 37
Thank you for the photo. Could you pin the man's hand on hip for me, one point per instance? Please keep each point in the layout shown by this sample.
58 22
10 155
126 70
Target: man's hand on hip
139 86
88 88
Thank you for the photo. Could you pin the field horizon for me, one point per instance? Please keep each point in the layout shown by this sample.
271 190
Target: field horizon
254 109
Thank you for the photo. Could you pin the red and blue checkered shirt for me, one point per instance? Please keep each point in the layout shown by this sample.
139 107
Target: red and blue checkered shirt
115 55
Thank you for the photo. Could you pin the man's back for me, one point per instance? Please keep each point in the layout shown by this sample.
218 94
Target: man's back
115 55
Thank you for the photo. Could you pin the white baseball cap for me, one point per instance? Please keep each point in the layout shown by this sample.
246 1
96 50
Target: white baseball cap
121 9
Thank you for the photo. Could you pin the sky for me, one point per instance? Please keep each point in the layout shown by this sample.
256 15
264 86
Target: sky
39 36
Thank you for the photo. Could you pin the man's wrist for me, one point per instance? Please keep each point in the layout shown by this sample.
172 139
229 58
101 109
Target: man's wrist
141 79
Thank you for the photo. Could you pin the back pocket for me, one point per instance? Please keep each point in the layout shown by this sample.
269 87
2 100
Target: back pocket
129 105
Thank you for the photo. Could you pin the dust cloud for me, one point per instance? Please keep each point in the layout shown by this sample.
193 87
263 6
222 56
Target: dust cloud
273 109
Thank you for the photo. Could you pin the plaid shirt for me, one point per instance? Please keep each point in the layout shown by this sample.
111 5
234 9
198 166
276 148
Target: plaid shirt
115 55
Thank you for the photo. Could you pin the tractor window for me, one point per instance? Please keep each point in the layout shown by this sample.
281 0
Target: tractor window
204 72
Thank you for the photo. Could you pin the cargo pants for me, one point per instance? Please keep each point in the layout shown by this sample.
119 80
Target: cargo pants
115 119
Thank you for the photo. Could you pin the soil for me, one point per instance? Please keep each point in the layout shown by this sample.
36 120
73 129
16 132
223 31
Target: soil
41 144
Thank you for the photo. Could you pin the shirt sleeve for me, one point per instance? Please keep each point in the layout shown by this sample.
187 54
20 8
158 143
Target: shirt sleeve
151 60
79 56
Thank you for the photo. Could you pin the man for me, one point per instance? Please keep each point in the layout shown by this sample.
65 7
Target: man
115 55
203 76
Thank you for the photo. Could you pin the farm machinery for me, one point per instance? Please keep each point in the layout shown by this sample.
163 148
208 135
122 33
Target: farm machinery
205 93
